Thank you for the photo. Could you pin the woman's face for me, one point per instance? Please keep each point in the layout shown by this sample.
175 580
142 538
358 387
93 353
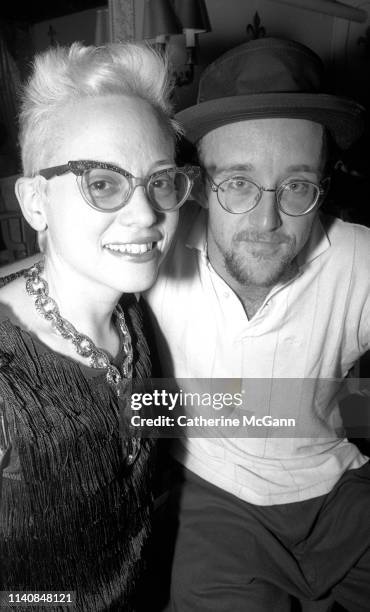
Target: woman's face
119 250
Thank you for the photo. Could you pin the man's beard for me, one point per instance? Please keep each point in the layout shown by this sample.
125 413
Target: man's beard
260 268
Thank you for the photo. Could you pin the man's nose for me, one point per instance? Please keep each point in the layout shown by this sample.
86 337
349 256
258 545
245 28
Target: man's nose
266 215
138 210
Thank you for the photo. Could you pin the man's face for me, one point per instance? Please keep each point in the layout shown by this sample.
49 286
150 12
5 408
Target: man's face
258 248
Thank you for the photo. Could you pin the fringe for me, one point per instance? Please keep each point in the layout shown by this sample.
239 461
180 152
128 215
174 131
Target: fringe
73 516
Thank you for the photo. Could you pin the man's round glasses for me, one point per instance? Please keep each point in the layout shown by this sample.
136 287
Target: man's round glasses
108 188
294 197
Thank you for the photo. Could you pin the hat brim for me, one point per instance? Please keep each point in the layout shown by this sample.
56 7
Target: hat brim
344 118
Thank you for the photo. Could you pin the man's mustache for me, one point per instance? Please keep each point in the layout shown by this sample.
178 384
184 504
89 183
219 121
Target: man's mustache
251 236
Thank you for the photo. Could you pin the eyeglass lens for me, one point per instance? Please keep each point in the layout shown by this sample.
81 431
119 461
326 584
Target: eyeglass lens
241 195
108 190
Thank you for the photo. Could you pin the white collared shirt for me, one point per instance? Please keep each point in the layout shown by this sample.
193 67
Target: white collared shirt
314 327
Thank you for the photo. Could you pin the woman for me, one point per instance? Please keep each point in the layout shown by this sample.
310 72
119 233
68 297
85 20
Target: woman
101 188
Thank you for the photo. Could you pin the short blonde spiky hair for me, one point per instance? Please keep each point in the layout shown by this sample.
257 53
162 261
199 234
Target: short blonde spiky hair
65 74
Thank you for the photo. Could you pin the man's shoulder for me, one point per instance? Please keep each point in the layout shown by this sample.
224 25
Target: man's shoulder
346 236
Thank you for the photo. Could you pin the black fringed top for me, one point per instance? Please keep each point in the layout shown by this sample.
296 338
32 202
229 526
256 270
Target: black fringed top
73 515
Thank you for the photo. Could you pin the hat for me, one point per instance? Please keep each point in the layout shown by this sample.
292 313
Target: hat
268 78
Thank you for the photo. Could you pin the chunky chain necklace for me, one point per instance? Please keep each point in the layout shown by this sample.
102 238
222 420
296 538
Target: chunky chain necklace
38 287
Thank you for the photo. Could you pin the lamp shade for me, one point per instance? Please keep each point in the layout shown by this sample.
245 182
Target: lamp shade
160 19
102 33
193 15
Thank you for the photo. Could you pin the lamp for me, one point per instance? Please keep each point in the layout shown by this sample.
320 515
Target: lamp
102 33
162 18
160 21
194 18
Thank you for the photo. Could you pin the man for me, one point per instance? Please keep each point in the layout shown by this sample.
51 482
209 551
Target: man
260 287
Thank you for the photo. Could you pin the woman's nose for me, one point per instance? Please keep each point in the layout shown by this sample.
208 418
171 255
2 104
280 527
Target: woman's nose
138 210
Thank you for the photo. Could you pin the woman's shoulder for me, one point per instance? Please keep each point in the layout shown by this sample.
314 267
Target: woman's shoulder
12 298
16 268
5 312
15 318
8 278
12 290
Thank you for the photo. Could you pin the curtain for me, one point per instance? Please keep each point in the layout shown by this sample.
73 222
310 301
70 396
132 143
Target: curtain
9 84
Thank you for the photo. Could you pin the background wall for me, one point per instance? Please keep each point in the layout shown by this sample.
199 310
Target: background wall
66 29
335 40
343 45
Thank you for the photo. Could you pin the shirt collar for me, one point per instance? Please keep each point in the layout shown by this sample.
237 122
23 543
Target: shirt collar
317 243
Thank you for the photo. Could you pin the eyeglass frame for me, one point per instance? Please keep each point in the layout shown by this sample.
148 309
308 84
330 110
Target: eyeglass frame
322 191
80 166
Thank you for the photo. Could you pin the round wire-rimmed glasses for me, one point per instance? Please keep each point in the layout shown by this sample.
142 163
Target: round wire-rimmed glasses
107 188
294 197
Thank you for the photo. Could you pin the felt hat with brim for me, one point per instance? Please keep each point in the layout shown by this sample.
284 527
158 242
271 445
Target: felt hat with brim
270 78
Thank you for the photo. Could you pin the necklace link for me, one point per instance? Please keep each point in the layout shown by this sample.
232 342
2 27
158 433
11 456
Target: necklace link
36 285
46 306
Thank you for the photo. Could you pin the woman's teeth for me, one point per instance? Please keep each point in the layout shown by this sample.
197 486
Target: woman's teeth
133 249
